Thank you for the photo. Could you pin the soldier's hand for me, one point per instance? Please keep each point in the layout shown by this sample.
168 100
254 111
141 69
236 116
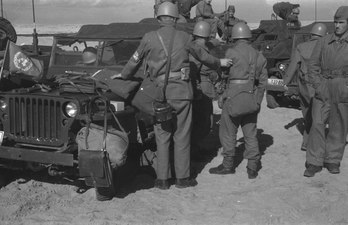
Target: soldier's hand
116 76
221 101
226 62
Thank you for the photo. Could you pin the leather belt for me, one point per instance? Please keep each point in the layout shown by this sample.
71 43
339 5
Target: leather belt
238 81
171 75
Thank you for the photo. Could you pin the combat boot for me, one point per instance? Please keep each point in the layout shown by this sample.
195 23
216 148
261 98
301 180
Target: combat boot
222 170
333 168
311 170
162 184
185 182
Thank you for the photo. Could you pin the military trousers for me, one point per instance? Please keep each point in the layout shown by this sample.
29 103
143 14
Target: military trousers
228 137
316 146
178 131
338 120
338 128
306 101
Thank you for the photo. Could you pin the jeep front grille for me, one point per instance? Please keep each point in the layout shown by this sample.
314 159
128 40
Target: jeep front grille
36 120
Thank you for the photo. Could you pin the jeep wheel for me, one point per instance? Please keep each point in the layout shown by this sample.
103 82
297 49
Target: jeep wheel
271 100
7 32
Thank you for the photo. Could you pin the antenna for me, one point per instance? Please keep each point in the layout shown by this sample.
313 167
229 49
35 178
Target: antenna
35 39
2 10
315 13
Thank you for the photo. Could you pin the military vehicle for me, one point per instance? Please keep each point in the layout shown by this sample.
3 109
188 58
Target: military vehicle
277 41
39 122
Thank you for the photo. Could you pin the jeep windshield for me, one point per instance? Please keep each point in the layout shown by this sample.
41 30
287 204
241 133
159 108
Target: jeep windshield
69 52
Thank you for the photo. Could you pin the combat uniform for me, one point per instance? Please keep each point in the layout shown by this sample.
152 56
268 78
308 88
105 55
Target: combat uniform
178 92
301 58
328 64
203 105
244 57
185 6
204 11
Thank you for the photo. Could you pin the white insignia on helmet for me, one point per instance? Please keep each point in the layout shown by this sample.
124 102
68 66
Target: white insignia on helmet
22 62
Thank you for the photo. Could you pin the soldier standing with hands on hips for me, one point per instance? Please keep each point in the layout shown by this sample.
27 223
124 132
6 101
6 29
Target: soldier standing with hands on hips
152 51
247 78
328 73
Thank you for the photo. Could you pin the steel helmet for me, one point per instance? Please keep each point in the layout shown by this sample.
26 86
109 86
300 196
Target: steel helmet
89 55
319 29
202 29
241 30
168 9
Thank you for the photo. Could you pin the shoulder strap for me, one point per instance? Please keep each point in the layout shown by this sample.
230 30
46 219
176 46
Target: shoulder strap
169 59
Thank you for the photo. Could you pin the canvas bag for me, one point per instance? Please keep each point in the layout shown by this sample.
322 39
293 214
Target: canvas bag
241 99
99 154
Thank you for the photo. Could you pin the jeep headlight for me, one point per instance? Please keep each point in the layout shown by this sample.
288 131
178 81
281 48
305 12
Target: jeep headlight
282 67
3 104
71 109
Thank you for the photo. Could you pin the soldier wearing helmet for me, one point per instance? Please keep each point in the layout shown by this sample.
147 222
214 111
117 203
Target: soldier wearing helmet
204 89
153 51
327 70
248 74
230 20
204 11
89 56
299 63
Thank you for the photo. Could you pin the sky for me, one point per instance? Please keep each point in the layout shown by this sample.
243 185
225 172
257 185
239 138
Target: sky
110 11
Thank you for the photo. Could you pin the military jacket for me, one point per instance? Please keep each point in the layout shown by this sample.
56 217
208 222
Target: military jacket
204 10
301 56
152 54
244 56
329 58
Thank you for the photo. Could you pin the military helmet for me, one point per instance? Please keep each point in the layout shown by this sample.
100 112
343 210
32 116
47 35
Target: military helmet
168 9
241 30
89 55
202 29
319 29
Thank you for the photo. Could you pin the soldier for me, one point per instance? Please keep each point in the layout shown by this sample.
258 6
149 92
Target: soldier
328 69
204 11
230 20
185 6
247 65
206 78
299 62
152 51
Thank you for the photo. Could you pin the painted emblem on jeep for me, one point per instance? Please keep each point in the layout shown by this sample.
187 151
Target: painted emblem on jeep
22 62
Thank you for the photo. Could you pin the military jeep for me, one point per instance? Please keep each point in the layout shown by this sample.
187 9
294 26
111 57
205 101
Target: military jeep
39 121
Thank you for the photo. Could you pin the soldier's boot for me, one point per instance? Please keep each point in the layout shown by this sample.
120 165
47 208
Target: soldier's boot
253 168
333 168
311 170
161 184
226 167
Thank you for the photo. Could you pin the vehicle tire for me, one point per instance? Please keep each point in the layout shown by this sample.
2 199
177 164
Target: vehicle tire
7 32
271 100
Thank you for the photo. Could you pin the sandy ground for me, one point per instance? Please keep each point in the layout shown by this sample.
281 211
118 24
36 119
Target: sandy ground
279 195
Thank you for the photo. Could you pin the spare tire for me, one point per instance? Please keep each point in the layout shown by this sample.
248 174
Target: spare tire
7 32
